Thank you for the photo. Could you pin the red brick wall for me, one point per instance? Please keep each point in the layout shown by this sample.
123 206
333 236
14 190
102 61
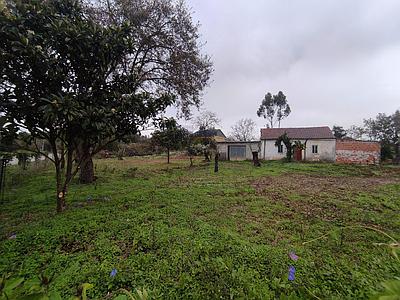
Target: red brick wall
357 152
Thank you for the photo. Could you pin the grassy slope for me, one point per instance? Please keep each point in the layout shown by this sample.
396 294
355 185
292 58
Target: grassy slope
189 233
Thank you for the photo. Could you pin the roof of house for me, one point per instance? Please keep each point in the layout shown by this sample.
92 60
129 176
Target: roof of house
301 133
209 133
238 142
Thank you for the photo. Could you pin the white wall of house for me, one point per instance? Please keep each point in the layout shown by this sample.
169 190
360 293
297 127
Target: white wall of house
270 152
326 150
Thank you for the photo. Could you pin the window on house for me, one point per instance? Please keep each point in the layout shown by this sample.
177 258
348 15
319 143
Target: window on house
314 148
280 148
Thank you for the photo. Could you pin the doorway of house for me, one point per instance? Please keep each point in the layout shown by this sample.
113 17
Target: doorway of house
297 153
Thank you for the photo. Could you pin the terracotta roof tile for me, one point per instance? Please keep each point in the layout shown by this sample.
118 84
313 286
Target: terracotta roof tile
297 133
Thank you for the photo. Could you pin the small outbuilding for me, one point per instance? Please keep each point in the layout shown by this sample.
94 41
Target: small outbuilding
238 150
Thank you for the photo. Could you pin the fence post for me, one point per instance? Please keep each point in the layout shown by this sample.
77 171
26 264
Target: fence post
3 164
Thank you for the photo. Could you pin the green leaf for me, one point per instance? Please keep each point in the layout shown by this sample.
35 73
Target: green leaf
121 297
85 287
38 296
12 284
394 250
33 285
391 292
392 287
54 296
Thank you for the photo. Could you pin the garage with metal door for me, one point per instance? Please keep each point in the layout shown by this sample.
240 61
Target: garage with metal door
237 152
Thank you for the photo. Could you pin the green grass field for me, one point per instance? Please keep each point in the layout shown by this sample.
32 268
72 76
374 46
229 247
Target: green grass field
187 233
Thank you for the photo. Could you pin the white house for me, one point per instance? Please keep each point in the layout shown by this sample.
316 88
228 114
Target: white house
320 143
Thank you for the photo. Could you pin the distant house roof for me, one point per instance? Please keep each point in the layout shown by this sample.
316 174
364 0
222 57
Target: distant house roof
209 133
238 142
302 133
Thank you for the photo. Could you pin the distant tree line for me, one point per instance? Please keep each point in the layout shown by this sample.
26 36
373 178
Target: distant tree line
383 128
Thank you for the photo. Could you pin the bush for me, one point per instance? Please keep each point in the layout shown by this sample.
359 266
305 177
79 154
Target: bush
386 151
140 149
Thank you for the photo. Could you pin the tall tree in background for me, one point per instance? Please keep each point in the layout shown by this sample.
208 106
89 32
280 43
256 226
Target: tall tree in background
244 130
396 134
206 120
386 129
274 108
381 128
338 132
166 52
355 132
170 136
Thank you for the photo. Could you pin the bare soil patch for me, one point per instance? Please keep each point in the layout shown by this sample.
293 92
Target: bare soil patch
315 185
322 197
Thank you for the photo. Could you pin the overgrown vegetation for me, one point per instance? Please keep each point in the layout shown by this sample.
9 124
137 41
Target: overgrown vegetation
187 233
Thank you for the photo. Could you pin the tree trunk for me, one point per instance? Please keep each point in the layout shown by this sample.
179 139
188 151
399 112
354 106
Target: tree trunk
206 156
60 201
86 174
62 156
397 153
62 183
216 162
191 161
168 155
60 190
289 152
256 162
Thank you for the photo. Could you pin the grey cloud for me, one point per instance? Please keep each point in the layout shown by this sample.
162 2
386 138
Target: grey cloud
337 61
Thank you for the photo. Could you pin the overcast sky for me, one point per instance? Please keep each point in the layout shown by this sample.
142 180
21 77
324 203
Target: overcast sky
337 62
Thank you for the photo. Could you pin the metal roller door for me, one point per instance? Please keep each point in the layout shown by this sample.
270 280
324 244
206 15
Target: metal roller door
237 152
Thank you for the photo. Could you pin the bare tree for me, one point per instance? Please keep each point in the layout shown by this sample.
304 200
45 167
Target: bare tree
244 130
206 120
356 132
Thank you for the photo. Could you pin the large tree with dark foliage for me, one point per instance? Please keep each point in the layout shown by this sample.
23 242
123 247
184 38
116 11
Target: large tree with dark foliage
386 129
8 135
78 83
338 131
165 56
274 108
